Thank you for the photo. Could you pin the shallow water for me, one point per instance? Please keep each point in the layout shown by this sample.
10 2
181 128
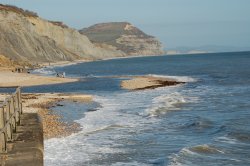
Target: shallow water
204 122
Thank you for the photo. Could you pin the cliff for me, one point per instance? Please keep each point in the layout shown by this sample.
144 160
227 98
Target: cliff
125 37
19 41
26 37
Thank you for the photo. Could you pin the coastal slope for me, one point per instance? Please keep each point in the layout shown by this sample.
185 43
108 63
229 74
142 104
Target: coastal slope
123 36
27 37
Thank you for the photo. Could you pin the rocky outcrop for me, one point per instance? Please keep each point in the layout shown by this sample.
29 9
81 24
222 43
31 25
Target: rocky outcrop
125 37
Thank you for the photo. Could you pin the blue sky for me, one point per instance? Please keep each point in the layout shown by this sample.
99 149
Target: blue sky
176 23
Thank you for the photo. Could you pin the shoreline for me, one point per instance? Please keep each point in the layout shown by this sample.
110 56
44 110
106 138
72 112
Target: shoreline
147 82
11 79
132 56
61 63
43 103
68 63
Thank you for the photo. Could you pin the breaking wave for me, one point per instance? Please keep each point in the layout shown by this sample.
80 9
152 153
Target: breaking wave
168 102
176 78
45 71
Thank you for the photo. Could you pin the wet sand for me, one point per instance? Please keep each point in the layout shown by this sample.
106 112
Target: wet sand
147 82
9 79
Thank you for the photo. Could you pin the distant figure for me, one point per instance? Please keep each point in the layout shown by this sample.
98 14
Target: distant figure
61 75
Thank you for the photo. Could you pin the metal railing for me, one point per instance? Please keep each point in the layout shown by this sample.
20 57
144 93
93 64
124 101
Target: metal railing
10 111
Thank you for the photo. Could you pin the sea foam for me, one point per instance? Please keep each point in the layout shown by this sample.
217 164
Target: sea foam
45 71
176 78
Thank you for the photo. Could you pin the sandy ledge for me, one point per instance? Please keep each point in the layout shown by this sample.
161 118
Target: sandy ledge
41 103
8 79
147 82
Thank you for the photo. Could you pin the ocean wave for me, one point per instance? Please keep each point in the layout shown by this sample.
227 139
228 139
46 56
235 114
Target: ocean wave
180 159
235 139
94 129
187 155
108 116
59 151
45 71
134 163
205 149
198 123
240 136
158 161
164 103
177 78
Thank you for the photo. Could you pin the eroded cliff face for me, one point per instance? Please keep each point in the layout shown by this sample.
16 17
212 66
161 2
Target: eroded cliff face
72 40
19 41
29 38
124 37
134 45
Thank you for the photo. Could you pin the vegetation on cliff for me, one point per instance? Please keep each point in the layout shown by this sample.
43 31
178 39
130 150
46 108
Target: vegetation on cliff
15 9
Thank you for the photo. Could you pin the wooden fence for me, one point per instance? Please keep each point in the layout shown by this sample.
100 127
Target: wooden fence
10 111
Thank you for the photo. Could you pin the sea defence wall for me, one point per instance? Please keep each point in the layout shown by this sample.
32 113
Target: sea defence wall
21 134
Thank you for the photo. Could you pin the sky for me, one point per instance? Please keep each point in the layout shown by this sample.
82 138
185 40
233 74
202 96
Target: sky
176 23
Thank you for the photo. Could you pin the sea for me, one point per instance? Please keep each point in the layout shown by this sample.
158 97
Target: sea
204 122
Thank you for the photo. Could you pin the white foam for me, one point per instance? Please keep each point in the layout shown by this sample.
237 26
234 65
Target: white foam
168 102
187 151
100 131
186 154
109 115
176 158
177 78
45 71
70 150
227 140
130 164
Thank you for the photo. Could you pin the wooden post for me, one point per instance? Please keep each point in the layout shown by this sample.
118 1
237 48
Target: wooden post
2 134
12 114
3 143
20 101
17 110
9 125
2 122
9 118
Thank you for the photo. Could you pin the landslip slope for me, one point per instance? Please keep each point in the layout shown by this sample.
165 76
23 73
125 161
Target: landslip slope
125 37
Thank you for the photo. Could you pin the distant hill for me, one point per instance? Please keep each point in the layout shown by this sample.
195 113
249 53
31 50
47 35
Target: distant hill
123 36
206 49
